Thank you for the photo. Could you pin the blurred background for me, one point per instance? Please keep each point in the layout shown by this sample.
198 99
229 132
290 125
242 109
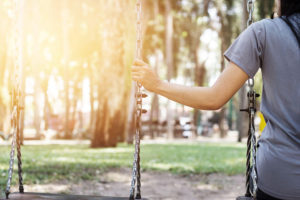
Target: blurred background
76 57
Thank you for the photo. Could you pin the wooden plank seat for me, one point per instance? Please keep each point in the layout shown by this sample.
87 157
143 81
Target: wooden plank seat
41 196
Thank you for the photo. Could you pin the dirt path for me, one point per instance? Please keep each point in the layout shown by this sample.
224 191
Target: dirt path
155 186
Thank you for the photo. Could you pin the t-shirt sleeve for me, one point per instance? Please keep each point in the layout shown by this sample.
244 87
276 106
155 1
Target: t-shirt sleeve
247 50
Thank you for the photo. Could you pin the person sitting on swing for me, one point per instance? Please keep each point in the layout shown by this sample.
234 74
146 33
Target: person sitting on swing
274 46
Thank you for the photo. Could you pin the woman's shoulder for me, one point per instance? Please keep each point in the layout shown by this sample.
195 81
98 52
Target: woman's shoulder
265 24
266 27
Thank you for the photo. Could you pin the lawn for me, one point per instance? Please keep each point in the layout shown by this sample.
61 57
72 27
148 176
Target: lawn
44 164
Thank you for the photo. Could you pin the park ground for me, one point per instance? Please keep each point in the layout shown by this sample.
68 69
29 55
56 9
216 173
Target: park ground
170 170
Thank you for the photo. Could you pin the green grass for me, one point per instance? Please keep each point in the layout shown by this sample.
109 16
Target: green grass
43 164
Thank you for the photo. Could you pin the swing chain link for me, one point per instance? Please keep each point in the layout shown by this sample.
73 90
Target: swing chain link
250 9
16 104
136 173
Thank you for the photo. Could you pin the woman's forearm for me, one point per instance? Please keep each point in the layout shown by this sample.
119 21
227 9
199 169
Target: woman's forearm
204 98
197 97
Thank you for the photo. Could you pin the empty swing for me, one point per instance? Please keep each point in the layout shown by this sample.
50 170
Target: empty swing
17 109
251 175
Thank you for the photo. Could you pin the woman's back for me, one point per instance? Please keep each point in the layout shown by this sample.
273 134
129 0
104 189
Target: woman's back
272 46
279 147
281 75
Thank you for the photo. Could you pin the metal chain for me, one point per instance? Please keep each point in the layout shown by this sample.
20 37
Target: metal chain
251 146
250 9
16 102
136 172
251 141
138 51
252 95
248 166
12 152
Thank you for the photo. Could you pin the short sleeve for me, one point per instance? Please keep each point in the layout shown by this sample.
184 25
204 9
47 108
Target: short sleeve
247 50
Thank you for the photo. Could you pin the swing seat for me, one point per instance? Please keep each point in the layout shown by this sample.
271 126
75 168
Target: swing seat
244 198
45 196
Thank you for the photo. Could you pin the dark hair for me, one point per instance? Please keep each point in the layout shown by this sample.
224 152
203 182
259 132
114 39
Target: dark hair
290 13
289 7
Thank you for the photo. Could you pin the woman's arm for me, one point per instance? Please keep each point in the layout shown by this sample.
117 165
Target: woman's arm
204 98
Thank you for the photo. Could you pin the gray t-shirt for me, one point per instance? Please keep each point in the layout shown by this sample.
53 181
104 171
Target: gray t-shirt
272 46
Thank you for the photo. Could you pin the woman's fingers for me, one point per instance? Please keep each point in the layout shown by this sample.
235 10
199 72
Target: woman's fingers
139 66
139 69
137 74
139 62
136 68
136 78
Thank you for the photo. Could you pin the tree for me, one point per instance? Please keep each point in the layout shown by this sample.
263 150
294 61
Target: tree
190 27
114 82
226 34
169 59
242 117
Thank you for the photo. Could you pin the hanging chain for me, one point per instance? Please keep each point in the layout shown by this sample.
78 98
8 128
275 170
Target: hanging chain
136 172
251 146
250 9
16 101
138 29
251 143
12 152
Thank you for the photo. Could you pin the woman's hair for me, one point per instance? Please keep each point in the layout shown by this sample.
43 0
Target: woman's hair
289 7
290 13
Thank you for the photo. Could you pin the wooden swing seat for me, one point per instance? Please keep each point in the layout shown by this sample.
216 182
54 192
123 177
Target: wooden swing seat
45 196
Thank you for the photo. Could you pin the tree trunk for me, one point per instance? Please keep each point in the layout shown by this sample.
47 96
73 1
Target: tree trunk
76 96
3 60
122 133
154 117
99 139
169 60
47 108
114 83
222 122
115 129
154 112
92 99
131 117
242 117
23 73
66 69
37 105
22 114
200 73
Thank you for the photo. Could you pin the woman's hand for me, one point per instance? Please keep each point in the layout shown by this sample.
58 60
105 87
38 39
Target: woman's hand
142 73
